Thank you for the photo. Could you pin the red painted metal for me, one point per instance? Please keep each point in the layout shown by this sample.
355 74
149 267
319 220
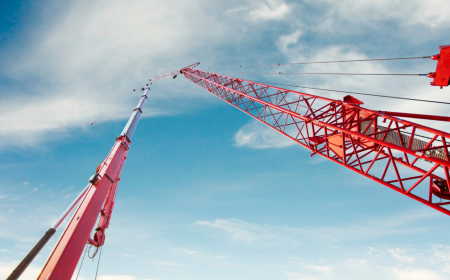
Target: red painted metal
442 75
105 214
360 139
64 258
418 116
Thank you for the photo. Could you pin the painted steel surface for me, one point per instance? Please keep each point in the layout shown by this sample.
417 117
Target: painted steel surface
371 143
64 258
130 127
98 199
441 77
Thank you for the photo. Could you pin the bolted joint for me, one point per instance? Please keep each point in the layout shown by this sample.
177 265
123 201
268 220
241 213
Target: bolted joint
94 178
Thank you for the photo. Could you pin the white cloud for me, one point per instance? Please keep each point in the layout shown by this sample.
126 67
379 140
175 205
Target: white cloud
259 136
442 253
186 251
416 274
298 276
270 10
314 268
86 60
370 270
402 255
7 267
117 277
285 40
168 266
221 257
239 231
407 12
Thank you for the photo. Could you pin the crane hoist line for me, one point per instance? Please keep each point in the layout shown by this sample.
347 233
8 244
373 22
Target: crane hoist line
379 145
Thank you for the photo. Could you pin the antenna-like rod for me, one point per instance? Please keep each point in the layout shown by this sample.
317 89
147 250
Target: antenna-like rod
134 119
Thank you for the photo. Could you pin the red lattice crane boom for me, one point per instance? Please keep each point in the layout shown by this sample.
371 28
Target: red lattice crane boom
407 157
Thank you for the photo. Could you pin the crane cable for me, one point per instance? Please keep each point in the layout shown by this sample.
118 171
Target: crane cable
351 92
84 255
322 62
344 74
98 264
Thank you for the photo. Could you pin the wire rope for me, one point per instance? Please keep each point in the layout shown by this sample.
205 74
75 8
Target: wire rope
343 74
351 92
84 255
98 263
322 62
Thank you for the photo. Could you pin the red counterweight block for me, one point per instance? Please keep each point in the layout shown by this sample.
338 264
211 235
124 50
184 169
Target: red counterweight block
441 77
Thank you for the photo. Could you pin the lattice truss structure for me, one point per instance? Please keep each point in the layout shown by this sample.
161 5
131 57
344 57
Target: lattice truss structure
407 157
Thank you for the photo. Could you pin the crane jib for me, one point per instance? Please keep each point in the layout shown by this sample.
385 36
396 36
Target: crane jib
382 147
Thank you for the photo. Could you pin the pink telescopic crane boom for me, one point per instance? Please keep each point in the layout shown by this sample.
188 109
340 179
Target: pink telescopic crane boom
98 197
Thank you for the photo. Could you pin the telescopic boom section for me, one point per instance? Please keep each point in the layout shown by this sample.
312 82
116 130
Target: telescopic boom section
99 198
407 157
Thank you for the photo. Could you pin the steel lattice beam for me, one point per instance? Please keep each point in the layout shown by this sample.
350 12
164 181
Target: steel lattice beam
374 144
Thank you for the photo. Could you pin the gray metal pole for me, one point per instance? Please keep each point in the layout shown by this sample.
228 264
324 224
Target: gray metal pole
31 255
134 119
44 239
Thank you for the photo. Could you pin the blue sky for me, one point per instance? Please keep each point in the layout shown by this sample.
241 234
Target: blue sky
207 193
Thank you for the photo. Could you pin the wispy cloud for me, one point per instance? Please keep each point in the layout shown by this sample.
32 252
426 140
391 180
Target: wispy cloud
221 257
298 276
7 267
402 255
441 252
270 10
259 136
312 267
284 41
86 61
168 266
415 13
239 231
117 277
416 274
186 251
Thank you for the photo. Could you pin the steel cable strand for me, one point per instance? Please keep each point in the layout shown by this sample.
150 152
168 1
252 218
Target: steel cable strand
323 62
351 92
